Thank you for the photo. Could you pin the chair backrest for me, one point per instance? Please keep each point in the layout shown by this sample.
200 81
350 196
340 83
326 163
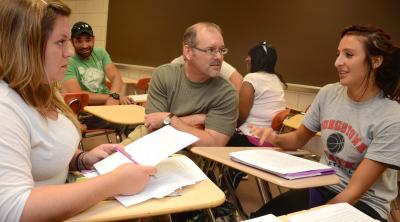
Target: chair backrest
277 121
143 84
108 85
76 101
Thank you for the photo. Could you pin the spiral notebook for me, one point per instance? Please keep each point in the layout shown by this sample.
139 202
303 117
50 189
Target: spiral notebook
281 164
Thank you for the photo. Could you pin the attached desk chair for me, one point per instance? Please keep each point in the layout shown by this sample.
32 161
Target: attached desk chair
119 114
77 102
202 195
295 121
140 85
221 155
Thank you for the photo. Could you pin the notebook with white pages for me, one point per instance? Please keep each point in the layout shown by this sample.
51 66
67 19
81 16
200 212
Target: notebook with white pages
150 149
265 218
172 174
281 164
340 212
332 213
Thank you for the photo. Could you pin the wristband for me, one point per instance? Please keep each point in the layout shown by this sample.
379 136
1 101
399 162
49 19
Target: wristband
77 161
83 161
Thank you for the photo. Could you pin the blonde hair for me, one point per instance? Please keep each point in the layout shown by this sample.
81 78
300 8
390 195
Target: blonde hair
24 31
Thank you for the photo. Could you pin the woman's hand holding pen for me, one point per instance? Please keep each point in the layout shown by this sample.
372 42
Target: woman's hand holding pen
132 178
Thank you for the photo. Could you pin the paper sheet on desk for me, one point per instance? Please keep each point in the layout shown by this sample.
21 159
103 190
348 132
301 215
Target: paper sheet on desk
138 98
332 213
172 174
266 218
150 149
281 164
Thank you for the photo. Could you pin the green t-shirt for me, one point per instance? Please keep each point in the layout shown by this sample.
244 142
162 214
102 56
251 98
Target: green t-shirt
90 73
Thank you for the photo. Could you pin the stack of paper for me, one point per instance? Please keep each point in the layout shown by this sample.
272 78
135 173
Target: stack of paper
332 213
266 218
172 174
154 150
140 98
150 149
281 164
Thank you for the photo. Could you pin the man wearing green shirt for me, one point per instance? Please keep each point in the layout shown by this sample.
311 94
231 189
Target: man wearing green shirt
88 71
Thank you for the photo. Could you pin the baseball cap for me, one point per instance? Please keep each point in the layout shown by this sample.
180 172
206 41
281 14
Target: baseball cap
80 28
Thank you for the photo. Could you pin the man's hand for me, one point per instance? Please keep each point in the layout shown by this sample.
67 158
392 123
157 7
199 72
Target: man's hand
111 101
154 121
124 100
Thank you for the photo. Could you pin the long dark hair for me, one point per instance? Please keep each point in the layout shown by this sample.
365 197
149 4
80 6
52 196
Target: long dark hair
378 43
263 58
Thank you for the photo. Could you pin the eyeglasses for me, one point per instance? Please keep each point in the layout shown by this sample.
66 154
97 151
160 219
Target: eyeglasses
212 51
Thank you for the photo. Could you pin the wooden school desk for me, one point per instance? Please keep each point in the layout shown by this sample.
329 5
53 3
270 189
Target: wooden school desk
221 155
120 114
294 122
130 81
202 195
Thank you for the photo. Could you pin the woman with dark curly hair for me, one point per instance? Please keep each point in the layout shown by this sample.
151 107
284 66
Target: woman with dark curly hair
359 120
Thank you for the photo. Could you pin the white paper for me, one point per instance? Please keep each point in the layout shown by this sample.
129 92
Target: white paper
332 213
266 218
138 98
150 149
154 147
90 174
172 174
276 161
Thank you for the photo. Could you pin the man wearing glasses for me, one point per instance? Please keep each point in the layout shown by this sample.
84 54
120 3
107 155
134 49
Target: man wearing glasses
228 72
193 94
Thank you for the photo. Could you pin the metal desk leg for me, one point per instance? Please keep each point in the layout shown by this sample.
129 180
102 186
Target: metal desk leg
231 192
264 189
210 214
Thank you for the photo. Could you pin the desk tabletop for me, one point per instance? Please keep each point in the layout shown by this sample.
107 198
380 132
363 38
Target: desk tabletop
221 155
127 80
193 198
295 121
120 114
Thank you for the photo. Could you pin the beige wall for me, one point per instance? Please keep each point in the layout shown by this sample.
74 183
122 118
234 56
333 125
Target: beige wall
94 12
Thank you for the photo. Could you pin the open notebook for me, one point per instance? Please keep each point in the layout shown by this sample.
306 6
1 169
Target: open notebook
281 164
148 150
341 212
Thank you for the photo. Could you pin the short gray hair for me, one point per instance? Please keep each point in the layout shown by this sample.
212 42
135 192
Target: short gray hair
189 36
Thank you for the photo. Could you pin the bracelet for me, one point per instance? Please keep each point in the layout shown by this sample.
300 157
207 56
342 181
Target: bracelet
83 161
77 161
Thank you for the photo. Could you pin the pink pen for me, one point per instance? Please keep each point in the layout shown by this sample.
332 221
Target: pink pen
123 152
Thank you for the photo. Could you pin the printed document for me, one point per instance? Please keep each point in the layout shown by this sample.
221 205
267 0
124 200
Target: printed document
266 218
332 213
150 149
138 98
282 164
173 173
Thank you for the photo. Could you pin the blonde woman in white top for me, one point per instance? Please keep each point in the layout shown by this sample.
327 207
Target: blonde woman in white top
39 134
